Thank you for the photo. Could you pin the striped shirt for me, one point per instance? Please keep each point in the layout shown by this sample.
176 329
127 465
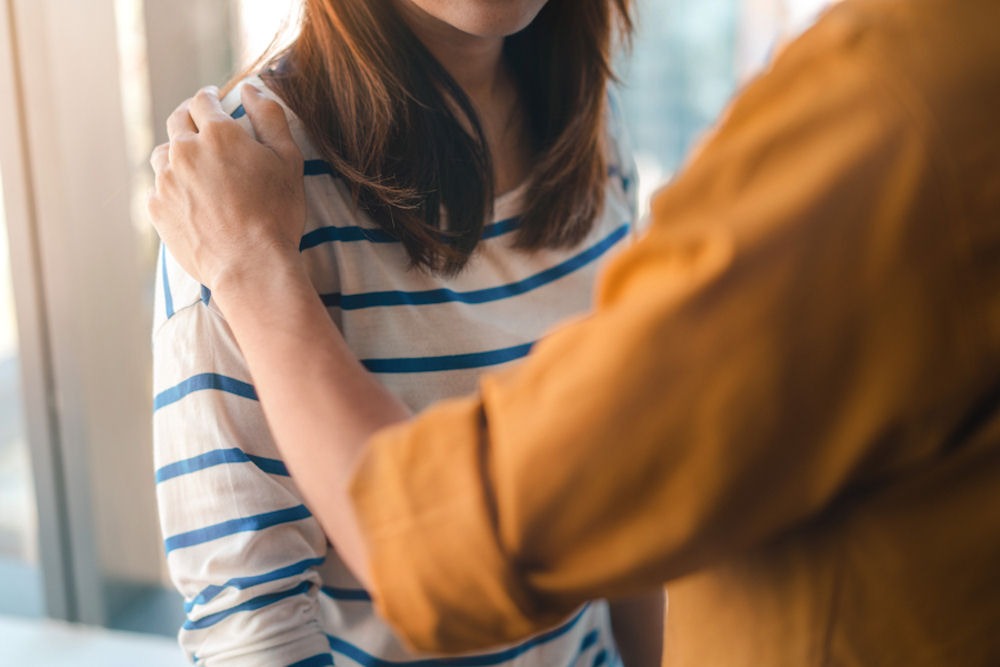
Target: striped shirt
261 584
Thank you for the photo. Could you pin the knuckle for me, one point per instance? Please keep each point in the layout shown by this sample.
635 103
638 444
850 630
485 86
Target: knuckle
182 152
159 154
219 131
153 206
205 94
228 127
160 184
271 107
180 113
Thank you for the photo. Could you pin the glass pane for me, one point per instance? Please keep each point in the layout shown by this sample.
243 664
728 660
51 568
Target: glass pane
679 75
20 585
688 58
259 23
137 594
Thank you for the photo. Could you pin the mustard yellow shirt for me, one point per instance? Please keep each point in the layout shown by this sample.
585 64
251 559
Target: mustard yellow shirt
786 403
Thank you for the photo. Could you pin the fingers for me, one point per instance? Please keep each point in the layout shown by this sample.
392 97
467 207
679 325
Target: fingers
269 123
160 158
197 125
180 123
160 161
205 108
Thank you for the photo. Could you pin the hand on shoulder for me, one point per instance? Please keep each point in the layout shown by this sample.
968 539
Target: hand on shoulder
224 203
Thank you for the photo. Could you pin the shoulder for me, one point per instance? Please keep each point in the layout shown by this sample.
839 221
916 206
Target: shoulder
618 148
176 289
614 122
234 107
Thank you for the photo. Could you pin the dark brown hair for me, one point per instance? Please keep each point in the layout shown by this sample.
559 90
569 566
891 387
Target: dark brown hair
389 119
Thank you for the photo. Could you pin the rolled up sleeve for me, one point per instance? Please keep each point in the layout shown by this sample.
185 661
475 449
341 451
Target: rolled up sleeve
750 358
418 521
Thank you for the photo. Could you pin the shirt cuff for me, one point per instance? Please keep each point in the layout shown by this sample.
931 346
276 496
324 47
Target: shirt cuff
439 574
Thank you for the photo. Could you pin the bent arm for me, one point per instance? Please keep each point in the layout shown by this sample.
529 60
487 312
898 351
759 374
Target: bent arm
744 367
764 349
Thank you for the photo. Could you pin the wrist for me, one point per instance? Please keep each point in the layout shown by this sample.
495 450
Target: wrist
255 277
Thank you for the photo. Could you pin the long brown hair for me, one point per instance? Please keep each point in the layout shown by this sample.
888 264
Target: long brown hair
388 118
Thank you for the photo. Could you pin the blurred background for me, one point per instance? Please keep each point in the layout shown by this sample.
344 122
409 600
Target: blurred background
85 87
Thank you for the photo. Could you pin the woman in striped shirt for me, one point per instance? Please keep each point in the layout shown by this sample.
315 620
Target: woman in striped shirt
464 176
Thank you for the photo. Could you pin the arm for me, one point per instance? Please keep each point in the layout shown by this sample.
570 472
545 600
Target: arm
741 371
638 621
293 346
241 547
765 349
278 322
638 628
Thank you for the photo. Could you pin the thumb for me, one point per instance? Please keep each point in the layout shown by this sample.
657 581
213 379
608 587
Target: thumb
269 123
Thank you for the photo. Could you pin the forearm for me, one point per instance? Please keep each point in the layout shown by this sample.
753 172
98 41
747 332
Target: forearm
638 626
320 402
739 374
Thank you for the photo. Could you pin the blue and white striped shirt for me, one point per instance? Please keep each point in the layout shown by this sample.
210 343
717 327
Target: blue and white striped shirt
261 584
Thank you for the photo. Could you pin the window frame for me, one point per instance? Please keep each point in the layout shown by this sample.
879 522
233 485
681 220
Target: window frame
75 261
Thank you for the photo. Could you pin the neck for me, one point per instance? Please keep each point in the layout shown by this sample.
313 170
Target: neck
476 63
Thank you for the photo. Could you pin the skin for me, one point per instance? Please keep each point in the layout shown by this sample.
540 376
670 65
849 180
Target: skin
232 211
467 38
486 19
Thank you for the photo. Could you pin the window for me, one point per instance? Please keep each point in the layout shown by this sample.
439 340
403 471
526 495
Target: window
79 536
688 58
19 573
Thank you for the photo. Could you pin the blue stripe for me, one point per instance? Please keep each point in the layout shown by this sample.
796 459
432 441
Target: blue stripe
589 640
233 526
344 235
219 457
249 605
322 660
238 112
367 660
270 466
615 170
449 362
347 594
317 168
168 298
600 658
444 295
353 234
202 382
500 228
241 583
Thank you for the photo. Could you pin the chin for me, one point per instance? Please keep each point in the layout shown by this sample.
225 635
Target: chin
484 18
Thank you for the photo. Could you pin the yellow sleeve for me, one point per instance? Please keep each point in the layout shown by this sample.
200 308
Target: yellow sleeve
759 352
